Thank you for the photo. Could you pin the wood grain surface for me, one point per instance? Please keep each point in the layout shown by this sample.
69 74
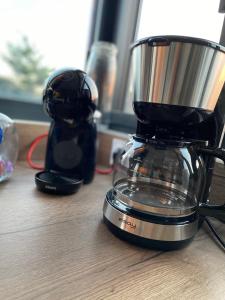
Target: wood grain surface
58 248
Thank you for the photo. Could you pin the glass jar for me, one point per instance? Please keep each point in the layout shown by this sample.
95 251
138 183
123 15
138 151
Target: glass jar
8 147
160 177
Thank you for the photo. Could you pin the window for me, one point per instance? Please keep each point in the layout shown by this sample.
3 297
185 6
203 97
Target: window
179 17
38 37
55 34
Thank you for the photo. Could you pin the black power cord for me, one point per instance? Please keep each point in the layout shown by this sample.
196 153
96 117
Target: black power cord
216 235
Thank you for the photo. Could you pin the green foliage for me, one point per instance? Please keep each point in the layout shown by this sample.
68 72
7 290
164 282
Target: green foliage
26 63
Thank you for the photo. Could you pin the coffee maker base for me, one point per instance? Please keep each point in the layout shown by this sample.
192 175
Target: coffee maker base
146 232
144 242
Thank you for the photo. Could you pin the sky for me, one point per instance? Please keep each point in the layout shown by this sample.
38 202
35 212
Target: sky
197 18
60 29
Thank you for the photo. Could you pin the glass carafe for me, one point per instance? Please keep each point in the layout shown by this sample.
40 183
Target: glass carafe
163 178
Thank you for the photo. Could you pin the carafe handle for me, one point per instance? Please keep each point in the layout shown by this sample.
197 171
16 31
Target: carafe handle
215 211
218 152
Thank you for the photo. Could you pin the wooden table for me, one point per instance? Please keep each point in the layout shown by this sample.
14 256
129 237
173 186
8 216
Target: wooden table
58 248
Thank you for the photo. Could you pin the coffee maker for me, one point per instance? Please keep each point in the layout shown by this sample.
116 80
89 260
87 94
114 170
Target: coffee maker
69 98
161 184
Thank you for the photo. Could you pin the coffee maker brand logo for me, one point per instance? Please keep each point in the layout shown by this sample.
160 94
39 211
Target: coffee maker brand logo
50 187
130 224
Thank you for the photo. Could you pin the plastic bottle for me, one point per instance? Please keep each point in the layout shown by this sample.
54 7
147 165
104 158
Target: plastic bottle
8 147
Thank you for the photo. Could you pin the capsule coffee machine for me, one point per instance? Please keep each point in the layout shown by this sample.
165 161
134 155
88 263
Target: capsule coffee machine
162 182
69 98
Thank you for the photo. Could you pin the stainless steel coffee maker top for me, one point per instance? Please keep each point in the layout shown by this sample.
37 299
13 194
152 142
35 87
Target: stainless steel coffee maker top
177 71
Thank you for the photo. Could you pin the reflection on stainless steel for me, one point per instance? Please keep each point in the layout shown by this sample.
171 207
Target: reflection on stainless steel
149 230
178 73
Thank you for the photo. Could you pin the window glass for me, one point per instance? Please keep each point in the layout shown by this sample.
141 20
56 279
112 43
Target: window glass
197 18
38 37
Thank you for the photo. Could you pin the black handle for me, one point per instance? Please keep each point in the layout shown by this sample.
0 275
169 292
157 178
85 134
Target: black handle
215 211
218 152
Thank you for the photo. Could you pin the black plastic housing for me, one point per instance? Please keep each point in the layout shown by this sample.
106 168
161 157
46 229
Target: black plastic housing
69 98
